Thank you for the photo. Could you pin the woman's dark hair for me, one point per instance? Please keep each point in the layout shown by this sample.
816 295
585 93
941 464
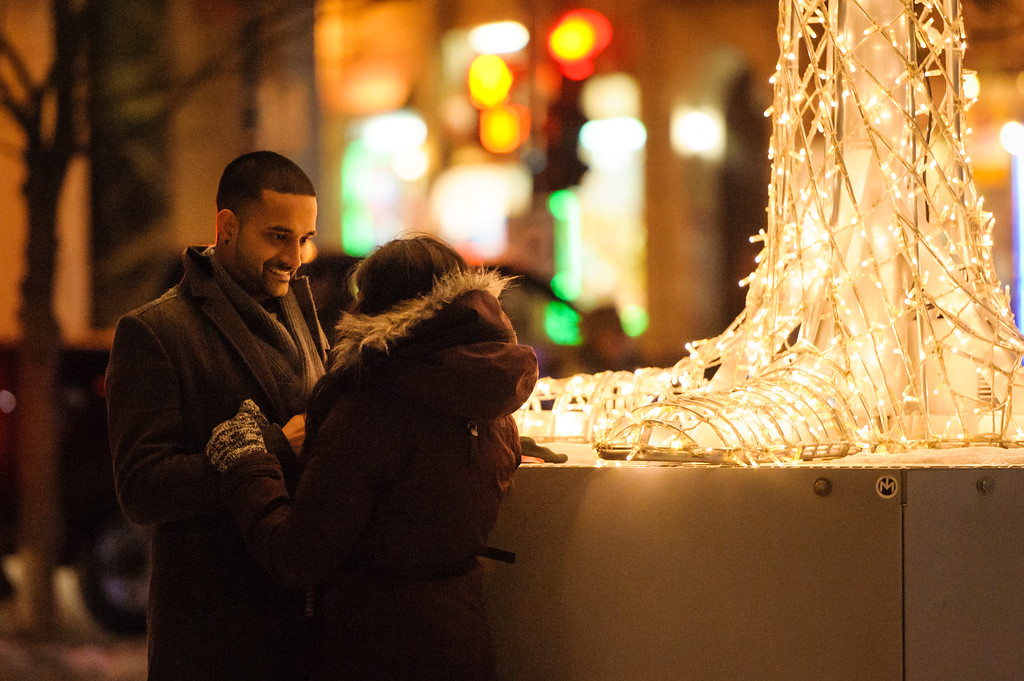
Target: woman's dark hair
402 269
244 179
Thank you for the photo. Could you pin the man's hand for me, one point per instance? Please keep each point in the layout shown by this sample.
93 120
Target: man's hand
295 431
237 437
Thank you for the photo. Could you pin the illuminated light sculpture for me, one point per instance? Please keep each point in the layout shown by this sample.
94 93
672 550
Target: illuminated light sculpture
874 320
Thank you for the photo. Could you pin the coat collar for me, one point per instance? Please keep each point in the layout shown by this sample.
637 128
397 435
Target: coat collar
199 283
356 333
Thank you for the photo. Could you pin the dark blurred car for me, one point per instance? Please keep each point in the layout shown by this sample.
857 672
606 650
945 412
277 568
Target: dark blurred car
110 554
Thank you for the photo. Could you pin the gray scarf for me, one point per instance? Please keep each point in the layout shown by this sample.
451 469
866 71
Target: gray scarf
287 343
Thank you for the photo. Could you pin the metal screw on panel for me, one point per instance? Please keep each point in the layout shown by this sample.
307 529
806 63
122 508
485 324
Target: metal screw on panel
986 485
823 487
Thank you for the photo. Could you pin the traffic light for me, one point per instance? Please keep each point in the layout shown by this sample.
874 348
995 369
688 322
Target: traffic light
489 81
573 42
578 37
503 126
562 125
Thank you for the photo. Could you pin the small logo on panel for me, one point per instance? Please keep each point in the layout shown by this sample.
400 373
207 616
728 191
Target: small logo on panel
887 486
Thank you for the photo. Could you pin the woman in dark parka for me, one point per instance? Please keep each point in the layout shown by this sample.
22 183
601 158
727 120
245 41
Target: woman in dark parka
410 447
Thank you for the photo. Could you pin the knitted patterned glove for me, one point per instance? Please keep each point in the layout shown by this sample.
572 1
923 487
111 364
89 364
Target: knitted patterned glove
237 437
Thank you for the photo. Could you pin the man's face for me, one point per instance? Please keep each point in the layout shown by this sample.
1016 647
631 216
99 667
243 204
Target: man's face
263 248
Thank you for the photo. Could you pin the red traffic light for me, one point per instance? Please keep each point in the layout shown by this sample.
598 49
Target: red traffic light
576 39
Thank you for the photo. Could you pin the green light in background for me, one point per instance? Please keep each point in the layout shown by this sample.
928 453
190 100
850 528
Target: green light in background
564 206
562 323
356 219
561 284
561 203
634 320
357 230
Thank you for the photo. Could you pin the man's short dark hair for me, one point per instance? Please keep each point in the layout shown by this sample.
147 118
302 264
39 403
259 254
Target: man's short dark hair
245 178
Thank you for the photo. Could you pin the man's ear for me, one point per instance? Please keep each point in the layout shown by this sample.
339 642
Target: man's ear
227 226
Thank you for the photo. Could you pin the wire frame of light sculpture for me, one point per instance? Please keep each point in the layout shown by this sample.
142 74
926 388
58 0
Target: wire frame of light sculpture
874 319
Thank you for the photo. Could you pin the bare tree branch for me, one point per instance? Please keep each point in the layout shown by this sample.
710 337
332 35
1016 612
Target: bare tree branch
67 80
177 91
228 59
277 19
16 109
21 110
18 66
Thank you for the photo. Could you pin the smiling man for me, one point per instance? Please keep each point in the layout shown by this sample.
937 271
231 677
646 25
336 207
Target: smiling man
263 257
240 325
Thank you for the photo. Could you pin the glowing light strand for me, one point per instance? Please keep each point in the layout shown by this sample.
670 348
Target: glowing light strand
874 319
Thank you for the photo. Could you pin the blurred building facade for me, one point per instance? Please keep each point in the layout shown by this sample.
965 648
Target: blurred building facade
657 227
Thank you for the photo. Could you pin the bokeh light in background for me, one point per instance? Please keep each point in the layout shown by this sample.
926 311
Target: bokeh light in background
392 132
1011 136
972 86
504 127
467 171
386 156
576 39
368 60
410 164
562 323
567 282
471 205
500 37
489 81
612 246
7 401
697 133
610 143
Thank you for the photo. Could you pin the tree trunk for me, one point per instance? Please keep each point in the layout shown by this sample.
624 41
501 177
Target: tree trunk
39 513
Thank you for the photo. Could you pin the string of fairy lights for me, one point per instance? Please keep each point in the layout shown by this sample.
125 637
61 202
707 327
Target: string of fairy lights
874 320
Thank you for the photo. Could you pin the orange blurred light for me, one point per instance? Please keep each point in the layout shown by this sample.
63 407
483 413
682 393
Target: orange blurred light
489 81
503 128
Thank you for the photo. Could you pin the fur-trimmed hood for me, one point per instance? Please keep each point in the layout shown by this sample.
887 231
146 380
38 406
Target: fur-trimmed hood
453 351
355 334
